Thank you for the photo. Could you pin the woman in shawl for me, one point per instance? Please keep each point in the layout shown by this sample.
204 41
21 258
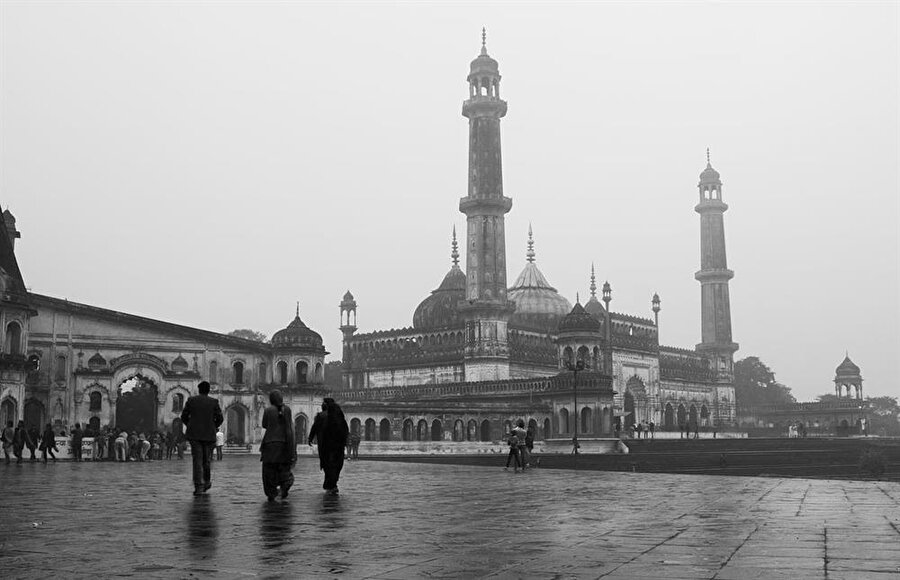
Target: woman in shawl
278 449
330 431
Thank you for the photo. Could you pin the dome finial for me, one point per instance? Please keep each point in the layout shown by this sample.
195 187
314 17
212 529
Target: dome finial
529 255
708 164
483 40
593 282
454 253
298 309
577 298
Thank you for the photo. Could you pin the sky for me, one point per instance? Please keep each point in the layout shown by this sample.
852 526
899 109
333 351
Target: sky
212 163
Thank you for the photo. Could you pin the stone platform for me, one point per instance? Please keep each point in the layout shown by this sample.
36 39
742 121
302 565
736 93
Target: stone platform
406 520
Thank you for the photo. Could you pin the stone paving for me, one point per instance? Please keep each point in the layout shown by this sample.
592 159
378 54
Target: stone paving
406 520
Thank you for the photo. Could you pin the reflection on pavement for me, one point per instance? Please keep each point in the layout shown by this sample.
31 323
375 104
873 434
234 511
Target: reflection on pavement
275 521
202 527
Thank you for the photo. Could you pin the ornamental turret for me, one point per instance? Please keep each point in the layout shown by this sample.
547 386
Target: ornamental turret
486 308
714 276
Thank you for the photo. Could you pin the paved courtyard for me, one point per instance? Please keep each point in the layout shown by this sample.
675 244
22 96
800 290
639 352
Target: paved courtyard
406 520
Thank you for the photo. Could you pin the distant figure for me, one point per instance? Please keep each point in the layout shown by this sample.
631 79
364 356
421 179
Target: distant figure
652 427
330 431
696 430
20 440
145 448
77 436
220 444
278 449
48 443
6 436
521 433
202 416
121 445
638 429
34 437
529 446
354 445
513 441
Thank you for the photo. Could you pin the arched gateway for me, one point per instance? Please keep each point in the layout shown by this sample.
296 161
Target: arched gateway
136 404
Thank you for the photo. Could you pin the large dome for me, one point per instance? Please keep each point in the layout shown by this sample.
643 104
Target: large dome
537 302
440 310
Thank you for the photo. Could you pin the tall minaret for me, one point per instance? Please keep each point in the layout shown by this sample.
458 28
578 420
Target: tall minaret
714 276
486 308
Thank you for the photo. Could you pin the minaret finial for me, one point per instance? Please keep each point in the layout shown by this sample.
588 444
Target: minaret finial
593 282
708 164
298 309
454 253
483 40
577 298
529 255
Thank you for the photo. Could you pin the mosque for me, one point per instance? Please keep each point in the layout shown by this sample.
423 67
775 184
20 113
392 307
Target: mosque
480 353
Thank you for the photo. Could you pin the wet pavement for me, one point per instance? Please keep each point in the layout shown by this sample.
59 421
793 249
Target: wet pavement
407 520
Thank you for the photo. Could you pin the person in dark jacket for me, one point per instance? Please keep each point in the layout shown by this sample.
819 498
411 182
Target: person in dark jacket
77 436
279 448
48 443
202 416
20 441
34 437
330 432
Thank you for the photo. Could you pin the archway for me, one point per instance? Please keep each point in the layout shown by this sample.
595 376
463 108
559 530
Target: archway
704 416
136 405
472 430
547 431
437 432
606 421
669 418
384 430
485 430
693 422
422 430
458 431
370 430
532 425
355 425
94 425
586 425
235 420
407 434
301 428
563 421
34 414
8 413
681 416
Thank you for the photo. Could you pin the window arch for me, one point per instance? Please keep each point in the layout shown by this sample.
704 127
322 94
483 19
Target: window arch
370 430
563 420
301 430
486 430
472 430
584 354
238 370
320 373
568 356
586 426
355 424
13 344
437 431
459 431
422 430
213 371
384 430
282 372
61 367
177 403
262 373
302 370
96 402
407 430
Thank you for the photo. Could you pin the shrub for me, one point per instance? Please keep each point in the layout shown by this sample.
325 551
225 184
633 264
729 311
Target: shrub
872 462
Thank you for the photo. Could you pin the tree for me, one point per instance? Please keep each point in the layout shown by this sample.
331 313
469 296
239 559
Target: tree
755 385
248 334
883 416
333 378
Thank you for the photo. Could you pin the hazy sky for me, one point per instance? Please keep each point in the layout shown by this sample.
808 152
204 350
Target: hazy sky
211 163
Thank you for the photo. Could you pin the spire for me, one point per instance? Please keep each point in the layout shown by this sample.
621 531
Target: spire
577 298
708 164
529 255
483 41
454 253
298 309
593 282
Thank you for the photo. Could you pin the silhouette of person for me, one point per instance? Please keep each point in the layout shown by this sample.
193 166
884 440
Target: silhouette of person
330 432
279 449
202 416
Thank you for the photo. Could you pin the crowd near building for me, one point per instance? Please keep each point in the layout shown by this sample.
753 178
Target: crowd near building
479 355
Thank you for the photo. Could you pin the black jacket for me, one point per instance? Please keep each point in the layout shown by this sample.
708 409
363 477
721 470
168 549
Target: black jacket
202 416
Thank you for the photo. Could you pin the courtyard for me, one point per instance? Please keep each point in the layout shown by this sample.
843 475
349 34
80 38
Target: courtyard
407 520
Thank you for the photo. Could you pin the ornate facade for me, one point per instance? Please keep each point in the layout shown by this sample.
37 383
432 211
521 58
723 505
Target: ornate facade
502 352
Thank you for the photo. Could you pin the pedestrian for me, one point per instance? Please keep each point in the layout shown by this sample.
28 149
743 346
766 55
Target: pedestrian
121 444
529 446
77 436
696 430
34 437
101 445
134 447
48 443
354 445
652 427
330 432
637 429
278 449
6 437
513 441
202 416
20 440
220 444
170 445
520 433
143 447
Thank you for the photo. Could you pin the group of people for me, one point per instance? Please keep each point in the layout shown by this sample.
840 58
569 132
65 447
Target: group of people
202 417
17 439
521 444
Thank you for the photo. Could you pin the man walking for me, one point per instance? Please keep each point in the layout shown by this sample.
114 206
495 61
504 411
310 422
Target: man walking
202 416
77 436
220 444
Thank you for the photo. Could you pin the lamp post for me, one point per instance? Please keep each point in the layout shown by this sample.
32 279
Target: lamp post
578 366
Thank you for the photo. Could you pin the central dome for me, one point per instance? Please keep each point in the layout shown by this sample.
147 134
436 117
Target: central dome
440 310
538 305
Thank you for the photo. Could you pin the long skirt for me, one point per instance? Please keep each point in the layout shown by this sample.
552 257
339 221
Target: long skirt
276 468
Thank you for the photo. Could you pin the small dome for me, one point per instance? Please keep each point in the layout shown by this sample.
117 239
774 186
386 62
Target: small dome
594 308
709 174
441 308
537 302
96 362
847 369
579 321
297 334
348 296
484 64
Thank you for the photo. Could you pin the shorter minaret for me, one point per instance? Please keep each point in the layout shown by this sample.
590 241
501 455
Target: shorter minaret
654 302
714 276
348 327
